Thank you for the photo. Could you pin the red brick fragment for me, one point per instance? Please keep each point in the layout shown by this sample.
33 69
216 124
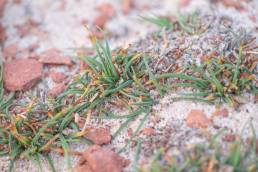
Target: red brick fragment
229 137
56 90
21 74
99 159
100 20
54 56
127 5
197 119
148 131
106 9
221 112
10 51
99 136
2 6
57 77
2 34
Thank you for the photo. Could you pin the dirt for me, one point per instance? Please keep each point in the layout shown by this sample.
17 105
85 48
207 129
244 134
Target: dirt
99 159
98 136
197 119
54 32
21 74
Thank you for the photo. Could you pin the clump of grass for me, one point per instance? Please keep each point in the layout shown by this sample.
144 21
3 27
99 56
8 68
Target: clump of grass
220 78
207 157
118 80
162 22
190 24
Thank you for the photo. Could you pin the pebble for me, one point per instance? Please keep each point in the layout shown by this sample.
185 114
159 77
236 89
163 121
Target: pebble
54 56
57 77
197 119
99 136
58 89
21 74
99 159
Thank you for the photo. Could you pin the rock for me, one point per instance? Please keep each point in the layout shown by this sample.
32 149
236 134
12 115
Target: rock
221 112
57 77
229 137
26 28
83 166
54 56
197 119
127 5
2 34
184 3
2 6
233 3
21 74
130 132
10 51
99 136
106 9
106 12
98 159
58 89
83 65
100 20
148 131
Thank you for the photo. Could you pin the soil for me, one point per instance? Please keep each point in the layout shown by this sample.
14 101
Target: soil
29 29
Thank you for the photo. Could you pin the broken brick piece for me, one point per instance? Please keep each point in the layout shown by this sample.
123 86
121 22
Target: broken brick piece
57 77
99 159
148 131
197 119
10 51
127 5
58 89
99 136
54 56
106 9
221 112
100 20
21 74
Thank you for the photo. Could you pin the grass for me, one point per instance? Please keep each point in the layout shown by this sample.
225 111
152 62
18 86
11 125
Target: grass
115 80
190 24
207 157
218 78
123 80
159 21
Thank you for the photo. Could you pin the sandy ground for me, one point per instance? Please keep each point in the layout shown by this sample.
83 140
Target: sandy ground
61 26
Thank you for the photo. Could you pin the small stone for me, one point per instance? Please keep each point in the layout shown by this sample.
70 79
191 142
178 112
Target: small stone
100 20
10 51
127 5
2 6
56 90
256 146
57 77
229 137
184 3
21 74
106 9
197 119
233 3
2 34
98 159
54 56
148 131
99 136
83 65
83 166
130 132
26 28
221 112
